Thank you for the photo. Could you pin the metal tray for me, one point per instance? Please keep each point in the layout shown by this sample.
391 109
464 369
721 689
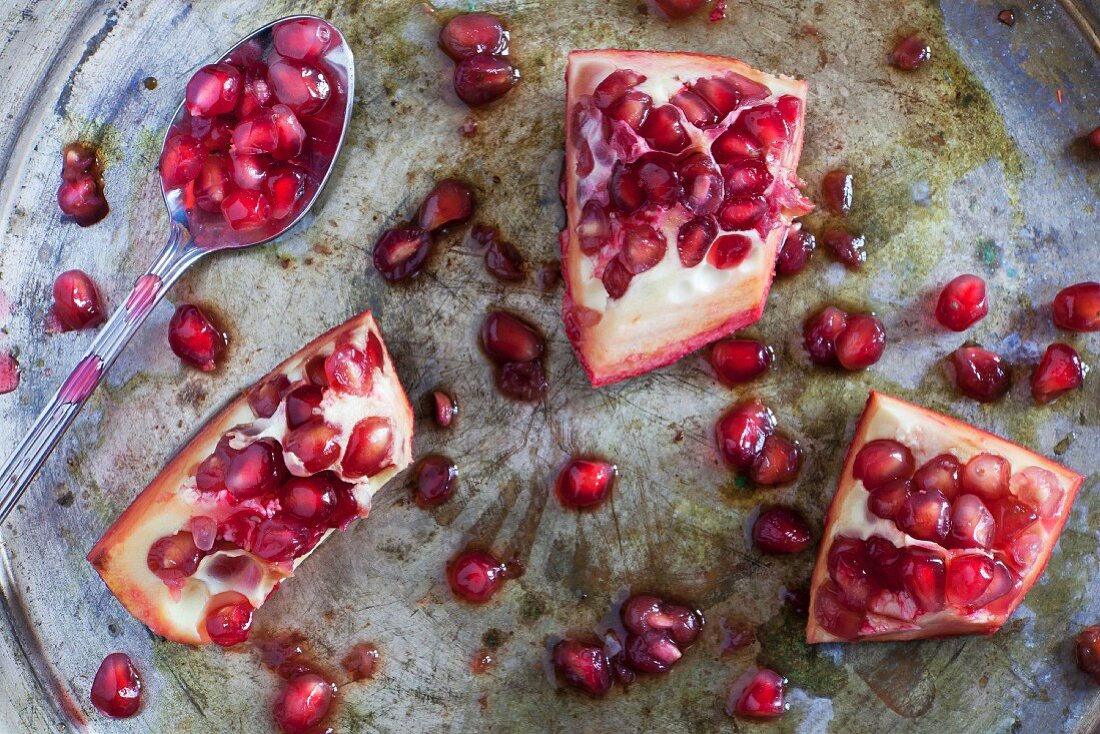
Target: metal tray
971 164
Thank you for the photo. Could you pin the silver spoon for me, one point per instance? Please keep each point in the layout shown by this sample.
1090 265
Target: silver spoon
189 239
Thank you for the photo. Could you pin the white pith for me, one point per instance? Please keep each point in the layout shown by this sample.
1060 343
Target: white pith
167 505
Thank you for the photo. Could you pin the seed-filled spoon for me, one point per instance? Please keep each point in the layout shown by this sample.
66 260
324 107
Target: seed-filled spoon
247 153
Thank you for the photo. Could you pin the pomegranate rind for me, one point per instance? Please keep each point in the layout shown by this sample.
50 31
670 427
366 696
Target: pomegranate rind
928 434
649 327
171 500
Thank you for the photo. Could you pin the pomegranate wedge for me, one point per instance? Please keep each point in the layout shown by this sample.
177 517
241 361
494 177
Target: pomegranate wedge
259 487
679 186
937 528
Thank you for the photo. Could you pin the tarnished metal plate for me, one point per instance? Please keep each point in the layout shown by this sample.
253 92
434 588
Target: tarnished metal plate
967 165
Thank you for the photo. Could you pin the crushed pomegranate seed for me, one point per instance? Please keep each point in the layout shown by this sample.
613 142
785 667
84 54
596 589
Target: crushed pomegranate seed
781 530
228 625
910 53
980 374
303 704
1077 307
475 575
504 261
194 338
581 666
434 480
1088 651
361 661
758 695
584 482
450 202
80 194
962 303
795 253
1059 371
736 361
846 247
836 191
444 408
116 689
76 301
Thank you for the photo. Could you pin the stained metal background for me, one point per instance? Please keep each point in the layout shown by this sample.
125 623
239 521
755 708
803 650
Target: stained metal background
971 164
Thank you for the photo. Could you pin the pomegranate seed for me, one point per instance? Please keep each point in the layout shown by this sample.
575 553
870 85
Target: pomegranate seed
742 213
315 444
175 557
795 253
194 338
473 33
833 615
257 470
229 625
719 93
361 662
625 188
645 612
883 561
481 79
584 482
972 525
962 303
240 528
861 343
77 161
249 171
315 370
303 39
271 130
311 499
1088 651
746 178
643 247
631 108
680 8
986 475
450 202
781 530
284 187
370 448
523 381
766 124
302 404
614 86
910 53
882 460
349 370
886 500
696 109
255 93
82 199
980 374
475 575
435 480
181 161
922 573
278 540
733 145
214 183
651 652
303 703
694 239
1039 489
820 333
213 90
1007 17
967 577
1077 307
659 179
216 134
583 667
508 338
445 408
594 228
759 696
836 191
504 262
664 131
703 185
778 461
940 473
729 251
741 431
77 303
401 252
204 531
302 87
616 279
846 247
925 515
1059 371
116 689
246 209
740 360
347 509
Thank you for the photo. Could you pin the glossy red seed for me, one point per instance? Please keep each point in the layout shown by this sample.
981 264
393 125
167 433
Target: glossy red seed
401 252
434 480
310 499
473 33
284 186
249 171
643 247
1088 651
834 615
614 85
302 404
1059 371
735 144
175 557
680 8
985 475
584 482
651 652
795 253
972 525
1008 17
616 279
922 574
246 209
664 129
820 333
736 361
778 462
508 338
836 191
450 202
280 539
303 39
846 247
719 93
742 213
302 87
729 251
696 110
116 689
273 131
481 79
781 530
925 515
475 575
882 460
594 228
980 374
213 90
264 398
445 408
659 179
216 133
581 666
766 124
228 625
962 303
350 370
255 470
194 338
910 53
740 433
314 444
504 261
694 239
525 381
861 343
760 696
968 577
703 185
625 188
214 183
1077 307
746 178
77 303
885 501
303 703
181 160
370 448
82 199
631 108
940 473
315 370
255 93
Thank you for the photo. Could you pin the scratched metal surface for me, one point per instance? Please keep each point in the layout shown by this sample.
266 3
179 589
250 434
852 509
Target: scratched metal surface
969 164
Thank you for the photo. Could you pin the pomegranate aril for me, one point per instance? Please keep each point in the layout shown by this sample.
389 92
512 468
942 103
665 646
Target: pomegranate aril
216 134
759 697
703 185
76 301
1059 371
778 462
820 333
349 370
882 460
213 90
504 261
249 171
631 108
473 33
116 689
194 338
980 374
310 499
315 370
616 279
181 160
968 576
204 531
584 482
614 86
733 145
834 615
303 703
736 361
741 432
925 515
525 381
508 338
659 179
910 53
1077 307
401 252
302 39
450 202
229 625
972 525
445 408
255 93
643 247
369 449
82 199
846 247
742 213
886 500
1039 489
922 573
836 191
240 528
696 109
315 444
940 473
475 575
719 93
434 480
246 209
795 252
594 228
482 78
583 667
1088 651
883 562
861 343
985 475
664 131
625 189
284 186
678 9
256 470
273 130
746 178
303 88
175 557
781 530
694 239
279 540
214 183
962 303
766 124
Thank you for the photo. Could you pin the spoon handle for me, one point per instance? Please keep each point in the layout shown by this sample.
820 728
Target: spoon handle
178 255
